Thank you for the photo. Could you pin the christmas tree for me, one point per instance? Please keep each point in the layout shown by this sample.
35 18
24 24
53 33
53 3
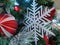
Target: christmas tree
28 22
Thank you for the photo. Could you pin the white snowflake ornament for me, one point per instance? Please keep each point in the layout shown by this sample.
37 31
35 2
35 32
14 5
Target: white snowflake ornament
35 21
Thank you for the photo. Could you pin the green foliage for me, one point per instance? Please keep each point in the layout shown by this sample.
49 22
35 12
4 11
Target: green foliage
57 33
17 15
4 41
48 3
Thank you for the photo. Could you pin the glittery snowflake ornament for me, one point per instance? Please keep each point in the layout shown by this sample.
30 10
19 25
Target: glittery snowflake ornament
36 21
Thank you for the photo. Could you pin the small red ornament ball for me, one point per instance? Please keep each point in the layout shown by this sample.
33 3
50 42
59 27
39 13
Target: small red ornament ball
47 44
16 8
8 25
45 38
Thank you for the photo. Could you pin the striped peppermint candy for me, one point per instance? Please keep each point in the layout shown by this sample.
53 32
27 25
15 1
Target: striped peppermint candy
8 25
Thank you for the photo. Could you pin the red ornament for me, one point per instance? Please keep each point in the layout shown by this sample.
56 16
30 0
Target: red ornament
16 8
45 38
52 13
47 44
8 25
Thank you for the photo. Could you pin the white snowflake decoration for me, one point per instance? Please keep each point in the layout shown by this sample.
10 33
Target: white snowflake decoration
35 21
